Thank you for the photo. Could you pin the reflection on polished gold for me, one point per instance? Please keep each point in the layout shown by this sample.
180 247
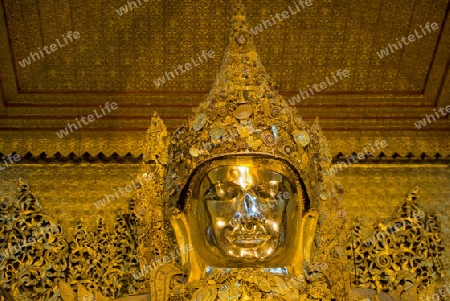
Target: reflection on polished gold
237 218
247 242
237 225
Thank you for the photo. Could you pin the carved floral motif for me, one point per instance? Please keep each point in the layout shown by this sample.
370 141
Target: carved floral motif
403 254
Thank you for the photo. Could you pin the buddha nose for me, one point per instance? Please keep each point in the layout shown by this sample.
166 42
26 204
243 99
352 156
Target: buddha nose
247 211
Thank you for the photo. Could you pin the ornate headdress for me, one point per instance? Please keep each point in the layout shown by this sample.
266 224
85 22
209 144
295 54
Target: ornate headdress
245 114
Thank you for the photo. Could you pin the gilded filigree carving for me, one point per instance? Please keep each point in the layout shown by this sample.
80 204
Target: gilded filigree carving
37 258
404 254
34 249
104 261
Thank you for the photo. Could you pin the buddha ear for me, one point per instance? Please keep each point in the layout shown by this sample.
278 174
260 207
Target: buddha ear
307 233
183 235
309 225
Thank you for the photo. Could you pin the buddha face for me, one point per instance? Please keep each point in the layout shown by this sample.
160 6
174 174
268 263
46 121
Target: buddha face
245 218
242 210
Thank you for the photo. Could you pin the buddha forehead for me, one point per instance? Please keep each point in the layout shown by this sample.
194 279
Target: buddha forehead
245 171
245 176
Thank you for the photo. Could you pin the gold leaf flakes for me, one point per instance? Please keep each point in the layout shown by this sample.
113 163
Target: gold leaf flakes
205 294
264 284
194 152
222 111
241 39
243 112
229 120
217 131
305 159
287 149
266 107
142 211
301 137
254 144
199 122
275 111
243 131
241 144
268 138
163 158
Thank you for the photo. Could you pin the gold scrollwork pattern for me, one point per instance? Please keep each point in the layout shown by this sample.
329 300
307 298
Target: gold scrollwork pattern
402 254
34 251
104 261
36 258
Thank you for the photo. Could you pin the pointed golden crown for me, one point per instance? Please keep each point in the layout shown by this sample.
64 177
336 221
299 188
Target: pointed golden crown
245 114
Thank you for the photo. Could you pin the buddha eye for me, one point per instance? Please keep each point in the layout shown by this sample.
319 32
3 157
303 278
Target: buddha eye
222 191
227 190
262 191
267 191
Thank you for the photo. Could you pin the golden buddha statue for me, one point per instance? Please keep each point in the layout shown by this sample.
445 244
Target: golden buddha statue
261 217
238 216
238 204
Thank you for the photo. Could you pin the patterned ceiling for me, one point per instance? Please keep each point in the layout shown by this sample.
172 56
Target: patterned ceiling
127 53
119 58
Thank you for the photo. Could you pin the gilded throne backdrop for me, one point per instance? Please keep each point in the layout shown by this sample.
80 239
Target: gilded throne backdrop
81 180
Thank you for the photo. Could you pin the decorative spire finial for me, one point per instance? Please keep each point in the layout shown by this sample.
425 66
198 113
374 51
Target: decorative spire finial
238 18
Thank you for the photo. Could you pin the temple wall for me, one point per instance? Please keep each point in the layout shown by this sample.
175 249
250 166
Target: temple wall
68 192
372 192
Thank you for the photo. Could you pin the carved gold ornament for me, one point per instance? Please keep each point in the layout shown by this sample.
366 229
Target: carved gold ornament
213 197
404 255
